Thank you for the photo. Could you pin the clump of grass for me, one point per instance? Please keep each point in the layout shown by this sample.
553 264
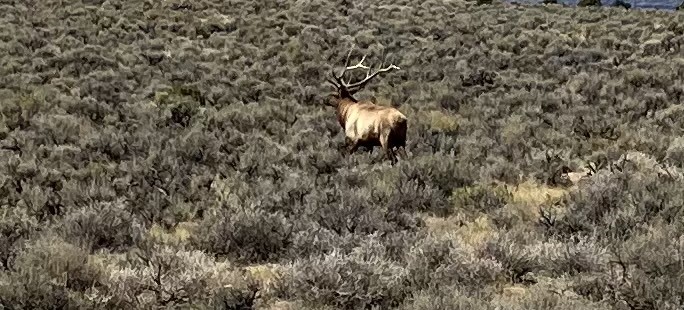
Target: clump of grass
480 199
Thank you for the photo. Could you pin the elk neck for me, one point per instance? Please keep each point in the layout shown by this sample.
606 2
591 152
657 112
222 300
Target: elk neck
342 109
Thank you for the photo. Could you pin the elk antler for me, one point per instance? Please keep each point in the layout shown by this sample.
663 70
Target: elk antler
352 88
337 82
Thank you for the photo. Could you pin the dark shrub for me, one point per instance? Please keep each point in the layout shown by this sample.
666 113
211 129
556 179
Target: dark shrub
480 199
231 298
510 250
445 297
643 281
582 256
622 4
45 272
433 262
589 3
616 204
105 226
411 194
363 278
244 233
171 275
15 227
445 171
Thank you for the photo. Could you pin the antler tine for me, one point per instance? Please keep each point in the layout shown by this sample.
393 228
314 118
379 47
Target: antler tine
347 67
359 65
363 82
338 79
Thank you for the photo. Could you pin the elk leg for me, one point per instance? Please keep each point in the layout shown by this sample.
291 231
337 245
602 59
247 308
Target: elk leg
350 145
384 142
393 157
352 148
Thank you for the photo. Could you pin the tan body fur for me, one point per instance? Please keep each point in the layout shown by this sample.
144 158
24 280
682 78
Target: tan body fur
368 124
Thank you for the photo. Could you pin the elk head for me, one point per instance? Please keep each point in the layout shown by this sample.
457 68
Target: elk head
346 90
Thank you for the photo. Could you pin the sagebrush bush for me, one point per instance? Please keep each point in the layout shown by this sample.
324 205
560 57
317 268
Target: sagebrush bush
617 204
245 233
480 198
434 262
359 279
15 227
48 273
103 227
510 250
444 298
168 274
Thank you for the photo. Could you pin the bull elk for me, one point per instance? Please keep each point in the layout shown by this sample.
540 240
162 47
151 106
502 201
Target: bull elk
365 123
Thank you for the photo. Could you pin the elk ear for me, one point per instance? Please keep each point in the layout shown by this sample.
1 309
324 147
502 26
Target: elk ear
330 99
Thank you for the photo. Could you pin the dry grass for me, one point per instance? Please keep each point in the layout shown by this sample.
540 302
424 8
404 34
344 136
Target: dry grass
179 234
442 121
526 200
265 274
514 292
533 194
474 233
529 196
283 305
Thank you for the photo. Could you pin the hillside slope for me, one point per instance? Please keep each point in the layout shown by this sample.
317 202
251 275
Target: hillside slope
176 153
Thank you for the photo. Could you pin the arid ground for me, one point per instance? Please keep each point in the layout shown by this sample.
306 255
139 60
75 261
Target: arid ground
178 154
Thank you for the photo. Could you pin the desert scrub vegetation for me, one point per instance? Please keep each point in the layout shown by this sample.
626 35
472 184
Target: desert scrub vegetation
176 154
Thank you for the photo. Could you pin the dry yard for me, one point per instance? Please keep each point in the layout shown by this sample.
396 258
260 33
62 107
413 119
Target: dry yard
177 154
